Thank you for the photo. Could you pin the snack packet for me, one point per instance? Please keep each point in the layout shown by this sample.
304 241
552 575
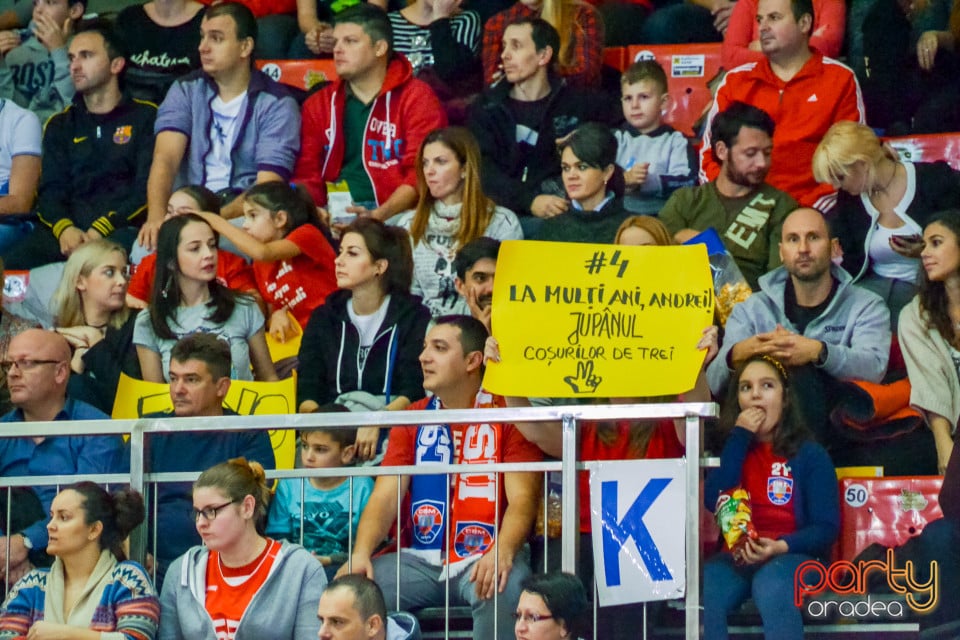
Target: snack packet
734 518
729 285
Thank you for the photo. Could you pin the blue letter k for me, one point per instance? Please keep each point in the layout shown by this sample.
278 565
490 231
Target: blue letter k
616 533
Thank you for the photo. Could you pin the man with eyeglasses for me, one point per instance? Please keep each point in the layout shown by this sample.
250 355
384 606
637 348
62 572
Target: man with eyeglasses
199 381
37 368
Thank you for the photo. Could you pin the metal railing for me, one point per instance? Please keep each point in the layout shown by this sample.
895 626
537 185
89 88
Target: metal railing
569 417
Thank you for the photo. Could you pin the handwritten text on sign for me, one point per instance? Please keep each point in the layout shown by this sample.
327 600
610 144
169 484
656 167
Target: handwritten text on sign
598 320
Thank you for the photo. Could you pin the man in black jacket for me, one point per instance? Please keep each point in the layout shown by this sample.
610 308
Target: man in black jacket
518 120
96 158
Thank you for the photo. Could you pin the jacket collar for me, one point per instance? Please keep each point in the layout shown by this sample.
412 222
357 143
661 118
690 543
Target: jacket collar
812 68
399 71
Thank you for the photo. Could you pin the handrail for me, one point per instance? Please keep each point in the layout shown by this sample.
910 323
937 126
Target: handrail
569 416
360 419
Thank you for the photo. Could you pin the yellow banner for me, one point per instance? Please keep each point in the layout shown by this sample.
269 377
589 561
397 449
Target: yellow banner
598 320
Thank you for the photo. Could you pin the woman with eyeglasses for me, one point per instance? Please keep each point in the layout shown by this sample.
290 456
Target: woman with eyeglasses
551 607
91 590
239 584
92 314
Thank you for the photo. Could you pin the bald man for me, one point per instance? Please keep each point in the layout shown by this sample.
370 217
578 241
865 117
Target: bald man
37 367
808 314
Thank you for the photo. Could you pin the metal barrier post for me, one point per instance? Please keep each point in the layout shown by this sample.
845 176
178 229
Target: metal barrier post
570 519
138 537
692 604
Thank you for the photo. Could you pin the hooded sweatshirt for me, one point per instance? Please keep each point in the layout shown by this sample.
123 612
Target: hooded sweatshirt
401 116
330 351
855 326
284 608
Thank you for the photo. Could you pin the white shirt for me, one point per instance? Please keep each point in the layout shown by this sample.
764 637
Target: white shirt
223 133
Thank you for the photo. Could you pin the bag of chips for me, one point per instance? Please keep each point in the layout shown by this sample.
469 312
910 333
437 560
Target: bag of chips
733 515
729 285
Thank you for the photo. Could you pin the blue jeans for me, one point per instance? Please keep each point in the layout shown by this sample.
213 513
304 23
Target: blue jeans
13 229
276 34
420 588
726 586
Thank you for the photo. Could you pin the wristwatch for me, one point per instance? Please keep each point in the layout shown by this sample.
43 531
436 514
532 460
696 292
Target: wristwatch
822 358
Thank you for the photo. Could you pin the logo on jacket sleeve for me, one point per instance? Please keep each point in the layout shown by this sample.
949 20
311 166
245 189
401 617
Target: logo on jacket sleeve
779 490
123 134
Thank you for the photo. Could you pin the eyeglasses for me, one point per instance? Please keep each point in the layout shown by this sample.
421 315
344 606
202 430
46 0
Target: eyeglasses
531 618
25 364
210 513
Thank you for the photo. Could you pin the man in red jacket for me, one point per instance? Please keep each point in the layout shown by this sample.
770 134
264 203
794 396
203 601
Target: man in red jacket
367 127
803 91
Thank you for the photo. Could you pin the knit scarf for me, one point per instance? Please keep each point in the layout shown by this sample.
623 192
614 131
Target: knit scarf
471 526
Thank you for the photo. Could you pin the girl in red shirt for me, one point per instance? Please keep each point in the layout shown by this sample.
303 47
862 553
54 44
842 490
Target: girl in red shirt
794 499
291 251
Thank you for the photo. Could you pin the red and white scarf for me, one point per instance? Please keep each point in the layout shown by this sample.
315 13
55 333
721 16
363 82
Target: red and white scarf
471 528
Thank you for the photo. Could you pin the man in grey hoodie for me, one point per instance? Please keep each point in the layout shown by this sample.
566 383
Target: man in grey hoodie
34 67
352 608
809 316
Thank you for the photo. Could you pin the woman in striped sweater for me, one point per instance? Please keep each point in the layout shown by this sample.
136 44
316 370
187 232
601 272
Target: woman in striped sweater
91 591
442 42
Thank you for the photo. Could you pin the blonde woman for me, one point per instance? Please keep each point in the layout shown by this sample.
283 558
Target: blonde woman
882 206
91 313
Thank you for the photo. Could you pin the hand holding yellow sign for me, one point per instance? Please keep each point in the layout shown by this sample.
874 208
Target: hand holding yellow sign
598 320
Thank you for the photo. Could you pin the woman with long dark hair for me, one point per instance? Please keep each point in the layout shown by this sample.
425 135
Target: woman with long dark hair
792 485
187 298
930 332
362 346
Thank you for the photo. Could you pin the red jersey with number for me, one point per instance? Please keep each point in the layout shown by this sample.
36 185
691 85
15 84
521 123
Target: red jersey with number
769 480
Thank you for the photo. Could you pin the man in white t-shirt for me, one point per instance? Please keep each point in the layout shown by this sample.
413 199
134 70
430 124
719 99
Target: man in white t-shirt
227 126
19 170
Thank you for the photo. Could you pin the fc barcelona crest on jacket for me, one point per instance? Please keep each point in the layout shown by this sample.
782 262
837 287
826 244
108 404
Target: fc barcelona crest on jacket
123 134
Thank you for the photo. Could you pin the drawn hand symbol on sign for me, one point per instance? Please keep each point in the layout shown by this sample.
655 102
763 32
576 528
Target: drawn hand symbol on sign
585 381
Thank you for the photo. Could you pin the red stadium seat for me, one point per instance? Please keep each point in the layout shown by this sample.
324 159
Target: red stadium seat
689 67
929 148
889 511
301 74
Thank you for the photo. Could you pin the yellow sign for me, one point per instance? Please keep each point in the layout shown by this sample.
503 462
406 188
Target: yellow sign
598 320
137 398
